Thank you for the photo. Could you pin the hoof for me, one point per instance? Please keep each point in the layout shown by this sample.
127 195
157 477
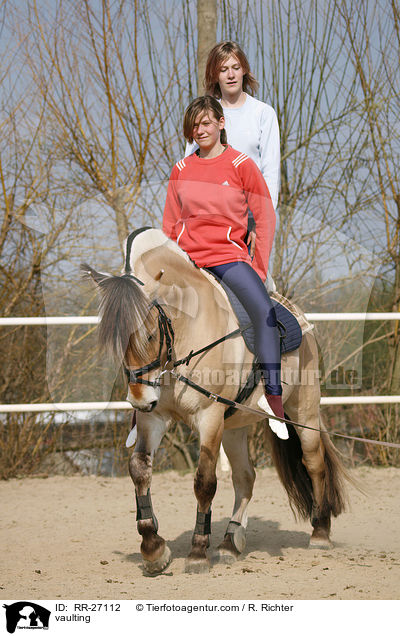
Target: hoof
239 539
225 556
152 568
317 544
227 552
320 541
320 537
197 566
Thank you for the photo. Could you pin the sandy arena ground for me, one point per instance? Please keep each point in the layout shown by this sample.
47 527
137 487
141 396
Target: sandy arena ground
75 538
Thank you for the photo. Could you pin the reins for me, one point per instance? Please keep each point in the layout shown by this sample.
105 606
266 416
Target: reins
186 360
167 335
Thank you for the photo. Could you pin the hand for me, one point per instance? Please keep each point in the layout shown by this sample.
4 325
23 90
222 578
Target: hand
251 240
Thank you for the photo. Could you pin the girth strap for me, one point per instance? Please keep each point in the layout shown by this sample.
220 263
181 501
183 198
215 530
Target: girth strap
252 381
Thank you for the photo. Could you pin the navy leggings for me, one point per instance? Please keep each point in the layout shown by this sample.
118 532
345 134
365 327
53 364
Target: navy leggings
244 281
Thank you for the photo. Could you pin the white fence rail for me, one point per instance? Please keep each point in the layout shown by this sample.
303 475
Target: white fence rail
101 406
49 320
115 406
92 320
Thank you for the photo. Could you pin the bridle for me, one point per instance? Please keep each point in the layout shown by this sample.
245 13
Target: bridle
166 335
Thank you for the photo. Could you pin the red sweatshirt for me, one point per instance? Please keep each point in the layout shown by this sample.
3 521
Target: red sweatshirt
206 210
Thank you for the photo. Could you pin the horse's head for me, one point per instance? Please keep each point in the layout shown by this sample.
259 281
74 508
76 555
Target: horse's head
129 331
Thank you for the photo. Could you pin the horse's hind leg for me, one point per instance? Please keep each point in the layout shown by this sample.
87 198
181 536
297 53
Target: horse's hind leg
243 476
155 552
314 462
322 467
308 491
329 491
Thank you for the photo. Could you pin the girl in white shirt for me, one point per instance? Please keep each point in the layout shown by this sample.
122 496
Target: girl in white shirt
251 126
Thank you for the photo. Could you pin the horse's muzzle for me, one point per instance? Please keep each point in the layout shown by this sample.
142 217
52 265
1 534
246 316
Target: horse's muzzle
144 408
149 407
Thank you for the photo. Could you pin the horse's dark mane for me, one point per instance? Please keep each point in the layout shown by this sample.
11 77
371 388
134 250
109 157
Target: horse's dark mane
124 311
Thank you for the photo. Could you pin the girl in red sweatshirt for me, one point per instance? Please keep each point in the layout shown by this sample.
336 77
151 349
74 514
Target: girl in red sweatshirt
206 211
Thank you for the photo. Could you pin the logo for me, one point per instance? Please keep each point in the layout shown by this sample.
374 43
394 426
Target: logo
226 183
26 615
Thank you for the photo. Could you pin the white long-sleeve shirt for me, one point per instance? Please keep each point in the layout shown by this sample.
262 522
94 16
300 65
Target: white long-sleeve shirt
253 129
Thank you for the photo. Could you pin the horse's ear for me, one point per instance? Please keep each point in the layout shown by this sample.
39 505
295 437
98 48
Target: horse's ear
158 276
88 273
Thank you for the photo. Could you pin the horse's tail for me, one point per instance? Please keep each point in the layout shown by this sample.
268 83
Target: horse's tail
287 457
125 314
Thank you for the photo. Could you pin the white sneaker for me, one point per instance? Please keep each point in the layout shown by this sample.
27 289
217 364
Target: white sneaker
278 427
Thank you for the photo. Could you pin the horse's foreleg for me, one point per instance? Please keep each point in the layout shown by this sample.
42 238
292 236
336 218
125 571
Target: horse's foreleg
243 476
205 485
155 552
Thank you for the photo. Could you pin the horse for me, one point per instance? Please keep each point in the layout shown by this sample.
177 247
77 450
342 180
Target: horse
153 318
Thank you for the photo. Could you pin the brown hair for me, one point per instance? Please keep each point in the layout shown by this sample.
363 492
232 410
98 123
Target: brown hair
215 60
195 109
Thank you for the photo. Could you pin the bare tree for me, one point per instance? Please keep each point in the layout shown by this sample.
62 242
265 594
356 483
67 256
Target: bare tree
372 43
206 37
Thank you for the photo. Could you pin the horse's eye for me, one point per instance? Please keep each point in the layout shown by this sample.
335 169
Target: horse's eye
150 337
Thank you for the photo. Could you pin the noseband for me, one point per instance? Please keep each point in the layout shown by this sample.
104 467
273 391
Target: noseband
166 335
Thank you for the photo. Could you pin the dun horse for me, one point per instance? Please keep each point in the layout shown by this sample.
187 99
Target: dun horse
155 314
